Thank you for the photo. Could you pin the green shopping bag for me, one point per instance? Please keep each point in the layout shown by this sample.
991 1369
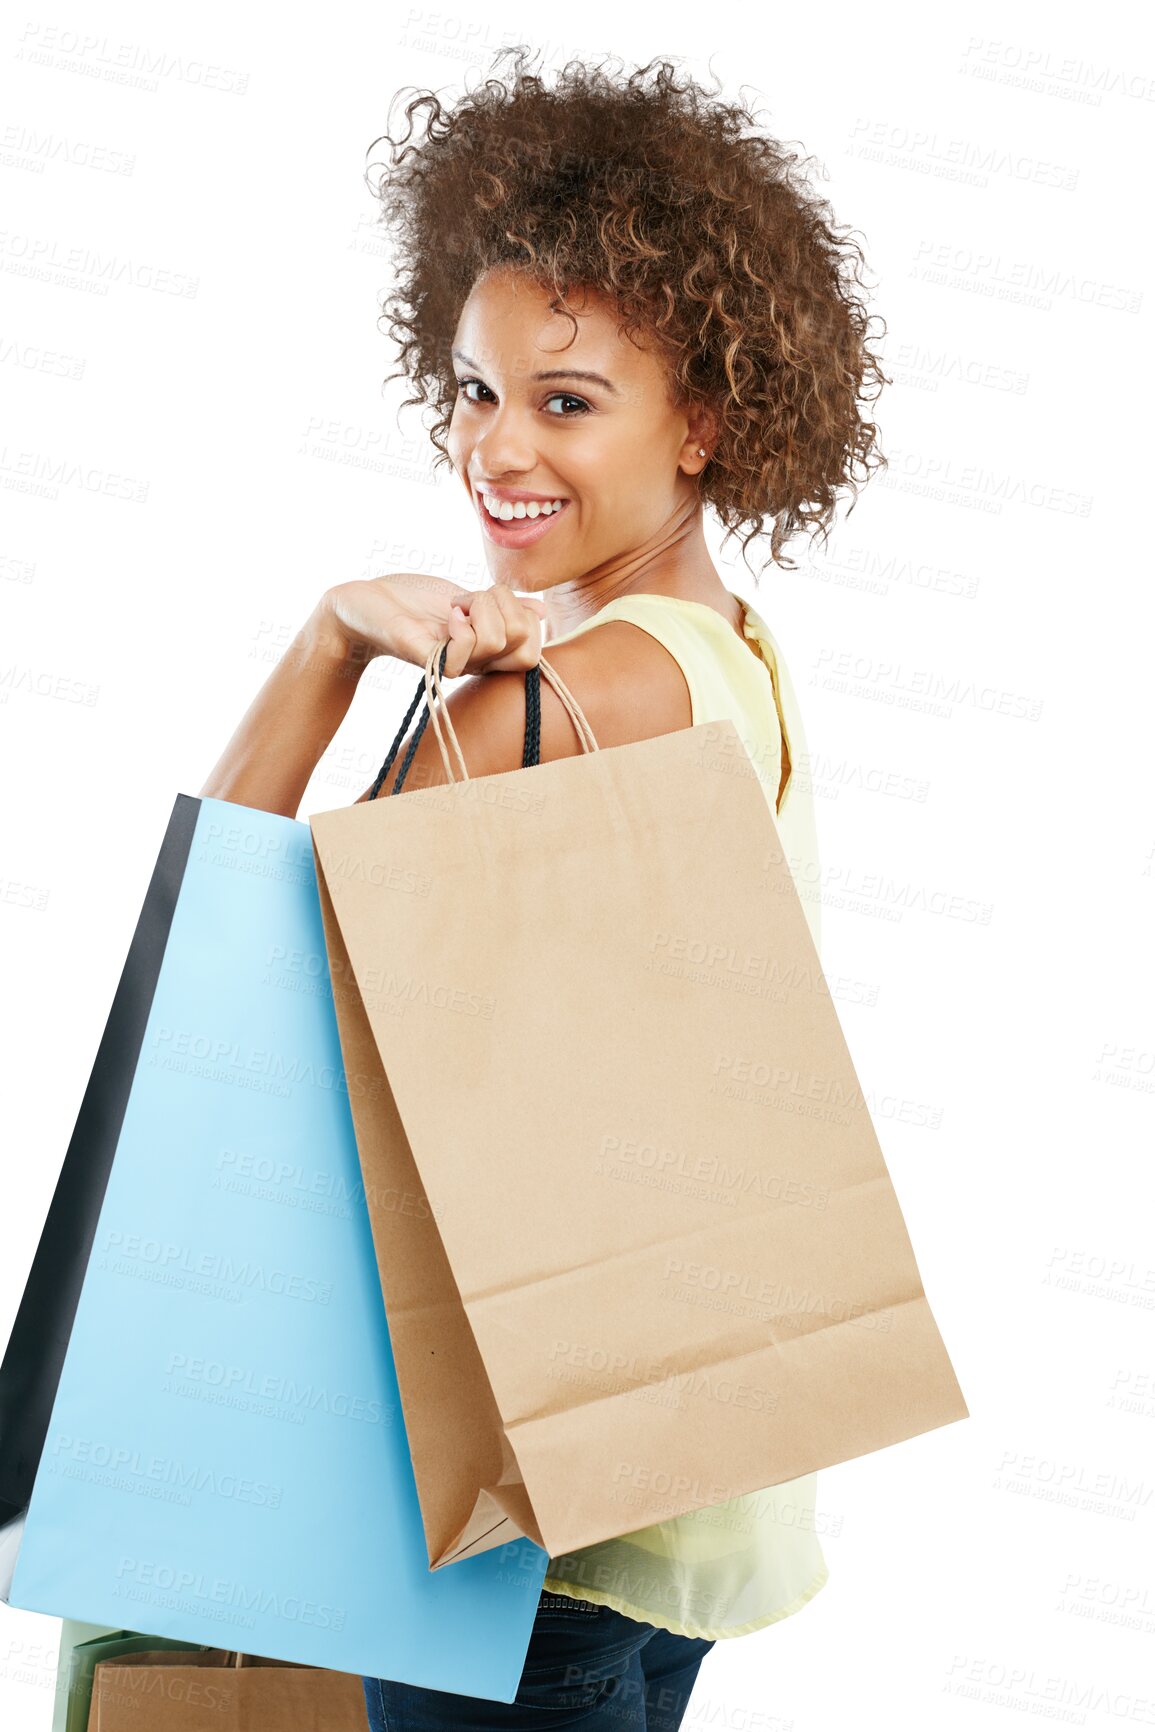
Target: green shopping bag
81 1647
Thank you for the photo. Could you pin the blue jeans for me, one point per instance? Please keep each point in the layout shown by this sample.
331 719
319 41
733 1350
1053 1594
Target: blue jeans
587 1666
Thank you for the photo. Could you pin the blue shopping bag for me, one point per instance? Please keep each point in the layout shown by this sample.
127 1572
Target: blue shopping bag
200 1428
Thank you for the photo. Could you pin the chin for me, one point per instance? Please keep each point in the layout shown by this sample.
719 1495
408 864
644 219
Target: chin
521 570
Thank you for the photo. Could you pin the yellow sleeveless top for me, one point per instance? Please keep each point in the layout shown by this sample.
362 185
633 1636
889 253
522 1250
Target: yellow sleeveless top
737 1566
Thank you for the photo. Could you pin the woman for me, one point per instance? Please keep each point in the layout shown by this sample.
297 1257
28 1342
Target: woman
624 307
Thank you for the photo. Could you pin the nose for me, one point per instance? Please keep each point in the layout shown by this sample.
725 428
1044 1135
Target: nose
504 449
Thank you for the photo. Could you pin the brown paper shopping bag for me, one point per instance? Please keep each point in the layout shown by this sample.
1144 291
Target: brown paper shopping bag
639 1249
219 1690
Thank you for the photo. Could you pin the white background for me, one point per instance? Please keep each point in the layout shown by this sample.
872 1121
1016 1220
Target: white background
971 653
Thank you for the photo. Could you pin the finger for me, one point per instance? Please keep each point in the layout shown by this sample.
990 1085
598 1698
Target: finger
462 640
523 646
534 601
522 618
487 617
501 591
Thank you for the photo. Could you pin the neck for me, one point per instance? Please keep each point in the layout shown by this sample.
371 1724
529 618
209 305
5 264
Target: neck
675 563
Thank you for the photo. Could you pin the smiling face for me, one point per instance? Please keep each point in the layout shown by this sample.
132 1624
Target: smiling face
543 415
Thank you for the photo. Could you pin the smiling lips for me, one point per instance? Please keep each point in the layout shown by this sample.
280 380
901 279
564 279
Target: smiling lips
518 523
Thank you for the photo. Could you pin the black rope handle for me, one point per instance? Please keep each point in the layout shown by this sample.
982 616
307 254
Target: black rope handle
531 750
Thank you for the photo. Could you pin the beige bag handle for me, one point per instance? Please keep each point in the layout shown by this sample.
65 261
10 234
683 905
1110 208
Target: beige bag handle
439 713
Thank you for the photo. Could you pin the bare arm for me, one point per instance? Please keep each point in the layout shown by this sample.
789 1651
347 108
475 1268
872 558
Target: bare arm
629 686
290 723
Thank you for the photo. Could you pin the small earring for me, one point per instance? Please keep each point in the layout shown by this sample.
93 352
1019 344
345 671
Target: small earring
701 453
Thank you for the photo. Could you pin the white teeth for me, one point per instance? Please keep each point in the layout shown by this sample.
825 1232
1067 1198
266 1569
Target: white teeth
504 511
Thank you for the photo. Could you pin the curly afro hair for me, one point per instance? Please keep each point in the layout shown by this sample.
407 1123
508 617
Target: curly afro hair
701 229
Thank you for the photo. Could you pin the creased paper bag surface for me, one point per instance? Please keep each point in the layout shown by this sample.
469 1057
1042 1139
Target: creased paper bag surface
638 1244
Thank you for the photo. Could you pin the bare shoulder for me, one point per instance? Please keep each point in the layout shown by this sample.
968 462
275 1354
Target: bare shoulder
627 684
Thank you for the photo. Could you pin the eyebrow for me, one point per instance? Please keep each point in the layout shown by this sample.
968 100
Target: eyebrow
555 373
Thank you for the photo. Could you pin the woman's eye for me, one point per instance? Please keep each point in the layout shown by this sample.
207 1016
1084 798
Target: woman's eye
568 397
463 384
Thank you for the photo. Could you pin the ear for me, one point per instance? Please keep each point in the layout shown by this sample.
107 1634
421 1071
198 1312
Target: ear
703 424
